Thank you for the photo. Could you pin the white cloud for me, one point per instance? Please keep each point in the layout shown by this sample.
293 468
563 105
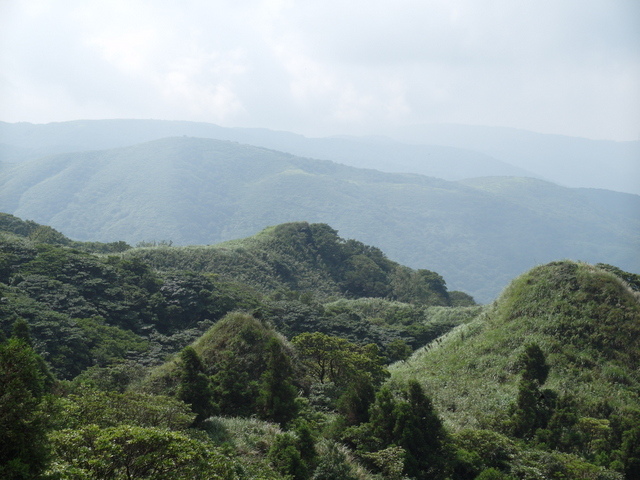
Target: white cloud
567 67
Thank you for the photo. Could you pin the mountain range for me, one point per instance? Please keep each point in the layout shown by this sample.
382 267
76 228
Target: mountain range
478 233
451 152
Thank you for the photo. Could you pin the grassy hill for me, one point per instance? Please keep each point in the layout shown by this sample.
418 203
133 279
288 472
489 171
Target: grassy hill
478 234
586 322
585 319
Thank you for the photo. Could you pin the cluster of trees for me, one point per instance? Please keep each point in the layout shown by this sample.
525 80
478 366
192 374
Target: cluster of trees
86 334
552 421
321 393
70 430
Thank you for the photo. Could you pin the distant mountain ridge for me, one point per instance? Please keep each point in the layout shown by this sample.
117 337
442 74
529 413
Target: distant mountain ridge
478 234
452 152
568 161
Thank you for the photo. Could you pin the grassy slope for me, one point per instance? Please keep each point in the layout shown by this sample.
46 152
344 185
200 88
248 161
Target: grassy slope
587 322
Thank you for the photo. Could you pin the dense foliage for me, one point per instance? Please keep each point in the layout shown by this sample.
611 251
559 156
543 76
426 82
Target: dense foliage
143 365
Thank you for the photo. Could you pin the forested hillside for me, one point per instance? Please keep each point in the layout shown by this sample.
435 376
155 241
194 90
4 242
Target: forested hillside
272 358
478 234
88 303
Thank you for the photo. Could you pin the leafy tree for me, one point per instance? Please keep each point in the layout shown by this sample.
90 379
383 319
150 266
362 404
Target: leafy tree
382 417
534 364
419 431
306 443
526 415
630 452
355 402
461 299
493 474
408 420
422 287
21 331
532 408
365 278
110 409
493 449
333 465
390 461
334 359
234 390
398 350
127 452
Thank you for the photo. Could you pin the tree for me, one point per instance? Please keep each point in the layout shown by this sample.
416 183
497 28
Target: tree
408 420
419 430
333 465
21 331
24 451
109 409
365 278
285 456
276 400
355 402
534 364
382 418
194 388
532 409
630 450
334 359
127 452
234 391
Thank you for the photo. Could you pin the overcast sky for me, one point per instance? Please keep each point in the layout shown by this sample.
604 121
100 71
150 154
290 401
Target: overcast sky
321 67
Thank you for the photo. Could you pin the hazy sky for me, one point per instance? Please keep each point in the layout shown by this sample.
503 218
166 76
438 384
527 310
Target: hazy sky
322 67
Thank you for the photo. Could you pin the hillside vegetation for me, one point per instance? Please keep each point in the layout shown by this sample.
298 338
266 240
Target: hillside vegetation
305 257
226 362
89 304
477 234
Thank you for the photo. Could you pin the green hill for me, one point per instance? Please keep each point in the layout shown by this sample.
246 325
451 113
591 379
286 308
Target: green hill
477 234
89 303
586 322
585 319
304 257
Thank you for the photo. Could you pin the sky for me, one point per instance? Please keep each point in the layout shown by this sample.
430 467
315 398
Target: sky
569 67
